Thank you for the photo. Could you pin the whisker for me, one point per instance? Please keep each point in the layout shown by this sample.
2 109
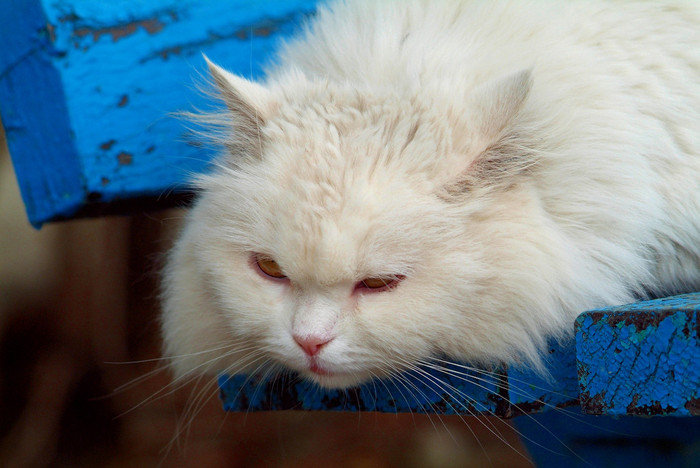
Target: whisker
171 358
450 389
470 378
198 401
525 415
180 381
509 377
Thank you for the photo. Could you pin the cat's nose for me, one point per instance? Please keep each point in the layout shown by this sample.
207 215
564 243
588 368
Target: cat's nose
311 344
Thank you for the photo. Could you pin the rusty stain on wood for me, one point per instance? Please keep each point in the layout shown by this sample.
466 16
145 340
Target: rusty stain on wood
693 406
51 30
151 26
107 144
167 52
264 28
644 353
123 101
125 158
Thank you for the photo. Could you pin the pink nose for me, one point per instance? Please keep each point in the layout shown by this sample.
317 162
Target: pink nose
311 344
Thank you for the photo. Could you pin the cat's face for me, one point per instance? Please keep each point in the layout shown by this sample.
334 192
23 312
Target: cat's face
338 246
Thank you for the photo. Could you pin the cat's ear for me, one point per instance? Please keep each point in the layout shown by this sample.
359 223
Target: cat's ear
494 105
248 101
497 150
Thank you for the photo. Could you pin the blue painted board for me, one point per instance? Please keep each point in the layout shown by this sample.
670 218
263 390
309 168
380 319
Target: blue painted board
88 90
641 358
637 359
454 390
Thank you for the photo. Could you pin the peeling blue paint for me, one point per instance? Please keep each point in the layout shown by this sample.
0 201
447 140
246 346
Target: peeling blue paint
76 74
640 359
456 390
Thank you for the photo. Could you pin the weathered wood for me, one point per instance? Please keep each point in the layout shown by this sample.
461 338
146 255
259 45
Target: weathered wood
88 90
637 359
641 359
504 393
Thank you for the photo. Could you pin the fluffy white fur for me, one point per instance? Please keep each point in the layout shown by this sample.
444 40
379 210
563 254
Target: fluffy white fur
518 162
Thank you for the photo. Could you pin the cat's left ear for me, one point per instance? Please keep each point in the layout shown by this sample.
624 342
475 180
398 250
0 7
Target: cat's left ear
249 102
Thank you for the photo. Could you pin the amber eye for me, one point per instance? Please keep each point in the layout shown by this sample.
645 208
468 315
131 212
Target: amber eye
269 267
376 283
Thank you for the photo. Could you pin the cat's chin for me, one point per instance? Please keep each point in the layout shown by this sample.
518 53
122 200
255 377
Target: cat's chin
339 380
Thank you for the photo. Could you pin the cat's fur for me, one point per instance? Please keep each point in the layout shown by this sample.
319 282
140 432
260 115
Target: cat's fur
517 162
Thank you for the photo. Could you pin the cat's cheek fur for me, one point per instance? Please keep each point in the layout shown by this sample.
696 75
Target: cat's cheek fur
205 330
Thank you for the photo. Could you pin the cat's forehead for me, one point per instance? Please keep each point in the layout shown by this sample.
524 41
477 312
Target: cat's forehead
334 227
344 179
332 220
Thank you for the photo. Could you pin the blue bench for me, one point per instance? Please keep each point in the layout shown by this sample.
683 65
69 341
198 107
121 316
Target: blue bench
87 93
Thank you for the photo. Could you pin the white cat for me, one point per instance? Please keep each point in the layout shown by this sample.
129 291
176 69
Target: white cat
428 178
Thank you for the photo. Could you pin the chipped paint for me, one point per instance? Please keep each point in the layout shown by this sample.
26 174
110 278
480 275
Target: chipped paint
117 32
107 144
125 158
478 393
640 359
119 71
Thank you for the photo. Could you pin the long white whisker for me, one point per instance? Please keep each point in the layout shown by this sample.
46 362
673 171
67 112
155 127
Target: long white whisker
471 379
450 389
498 374
526 415
180 381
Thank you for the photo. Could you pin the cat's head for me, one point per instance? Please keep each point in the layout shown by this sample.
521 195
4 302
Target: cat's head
351 233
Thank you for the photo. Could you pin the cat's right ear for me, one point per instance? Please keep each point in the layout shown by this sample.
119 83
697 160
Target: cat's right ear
494 105
248 101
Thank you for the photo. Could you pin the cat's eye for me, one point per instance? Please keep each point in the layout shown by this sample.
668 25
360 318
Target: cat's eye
269 267
377 284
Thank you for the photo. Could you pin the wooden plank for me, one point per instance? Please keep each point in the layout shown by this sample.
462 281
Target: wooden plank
641 359
88 90
637 359
35 115
454 391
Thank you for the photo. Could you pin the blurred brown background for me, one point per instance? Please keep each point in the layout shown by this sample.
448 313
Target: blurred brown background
78 308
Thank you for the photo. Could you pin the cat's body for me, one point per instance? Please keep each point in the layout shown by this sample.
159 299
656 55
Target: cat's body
504 165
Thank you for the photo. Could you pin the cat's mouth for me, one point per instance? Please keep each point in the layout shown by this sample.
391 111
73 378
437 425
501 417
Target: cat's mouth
330 378
316 368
